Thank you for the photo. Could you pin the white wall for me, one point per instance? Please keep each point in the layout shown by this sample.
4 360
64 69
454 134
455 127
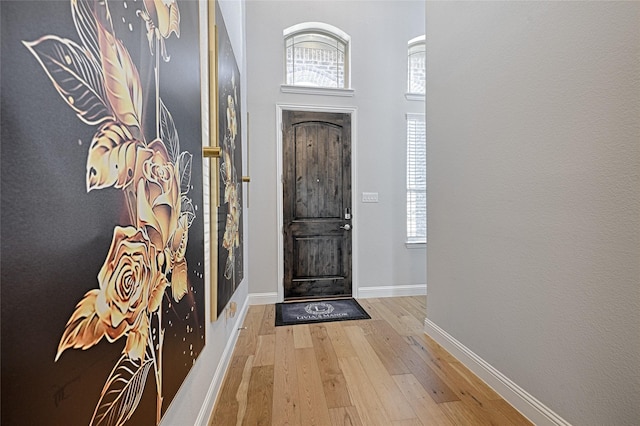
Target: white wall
533 118
194 401
379 33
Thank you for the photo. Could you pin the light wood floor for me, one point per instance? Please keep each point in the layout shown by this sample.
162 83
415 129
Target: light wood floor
383 371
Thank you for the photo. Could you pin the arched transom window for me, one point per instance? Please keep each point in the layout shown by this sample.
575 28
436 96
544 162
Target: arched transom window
317 55
417 58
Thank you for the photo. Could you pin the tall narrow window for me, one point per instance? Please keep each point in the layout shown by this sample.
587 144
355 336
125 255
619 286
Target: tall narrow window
417 59
416 179
316 55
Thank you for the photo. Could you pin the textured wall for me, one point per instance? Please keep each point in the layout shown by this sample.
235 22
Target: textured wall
533 118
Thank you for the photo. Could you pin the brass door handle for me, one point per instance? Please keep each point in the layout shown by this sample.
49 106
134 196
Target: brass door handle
346 227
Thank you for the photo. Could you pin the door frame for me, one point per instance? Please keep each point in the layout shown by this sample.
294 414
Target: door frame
352 112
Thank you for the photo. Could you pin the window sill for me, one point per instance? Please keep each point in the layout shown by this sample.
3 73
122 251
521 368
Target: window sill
307 90
411 245
415 96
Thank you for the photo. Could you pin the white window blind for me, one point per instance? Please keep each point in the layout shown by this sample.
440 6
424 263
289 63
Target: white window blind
416 179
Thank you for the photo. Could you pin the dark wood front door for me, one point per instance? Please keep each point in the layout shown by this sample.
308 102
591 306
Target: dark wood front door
316 204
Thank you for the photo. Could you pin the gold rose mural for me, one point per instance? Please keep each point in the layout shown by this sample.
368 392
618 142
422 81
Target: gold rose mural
230 260
229 179
136 151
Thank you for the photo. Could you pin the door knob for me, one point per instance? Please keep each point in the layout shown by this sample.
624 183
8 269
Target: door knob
346 227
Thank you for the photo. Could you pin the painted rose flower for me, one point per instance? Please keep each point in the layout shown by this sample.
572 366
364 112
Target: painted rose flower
131 287
158 193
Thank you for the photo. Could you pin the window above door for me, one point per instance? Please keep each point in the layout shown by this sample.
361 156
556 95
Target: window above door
317 57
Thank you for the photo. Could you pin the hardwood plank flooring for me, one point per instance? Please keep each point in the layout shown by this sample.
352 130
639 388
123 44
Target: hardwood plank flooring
333 381
383 371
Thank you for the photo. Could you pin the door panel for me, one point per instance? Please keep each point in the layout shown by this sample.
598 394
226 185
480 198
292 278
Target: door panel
316 196
320 256
318 159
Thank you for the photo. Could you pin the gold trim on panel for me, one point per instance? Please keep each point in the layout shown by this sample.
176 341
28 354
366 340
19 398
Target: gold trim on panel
248 157
213 95
213 149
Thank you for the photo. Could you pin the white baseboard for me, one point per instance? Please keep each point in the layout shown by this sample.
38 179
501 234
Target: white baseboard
263 298
392 291
218 377
521 400
363 292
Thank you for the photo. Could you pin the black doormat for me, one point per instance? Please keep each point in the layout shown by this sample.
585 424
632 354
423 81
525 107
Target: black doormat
319 311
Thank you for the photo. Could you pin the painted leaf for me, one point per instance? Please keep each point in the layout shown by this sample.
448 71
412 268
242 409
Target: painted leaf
157 215
112 157
184 171
168 133
156 293
179 280
187 210
121 79
122 392
76 77
228 267
225 178
174 20
84 329
85 22
180 239
137 339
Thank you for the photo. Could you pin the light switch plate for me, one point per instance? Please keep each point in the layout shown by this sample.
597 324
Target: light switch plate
369 197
